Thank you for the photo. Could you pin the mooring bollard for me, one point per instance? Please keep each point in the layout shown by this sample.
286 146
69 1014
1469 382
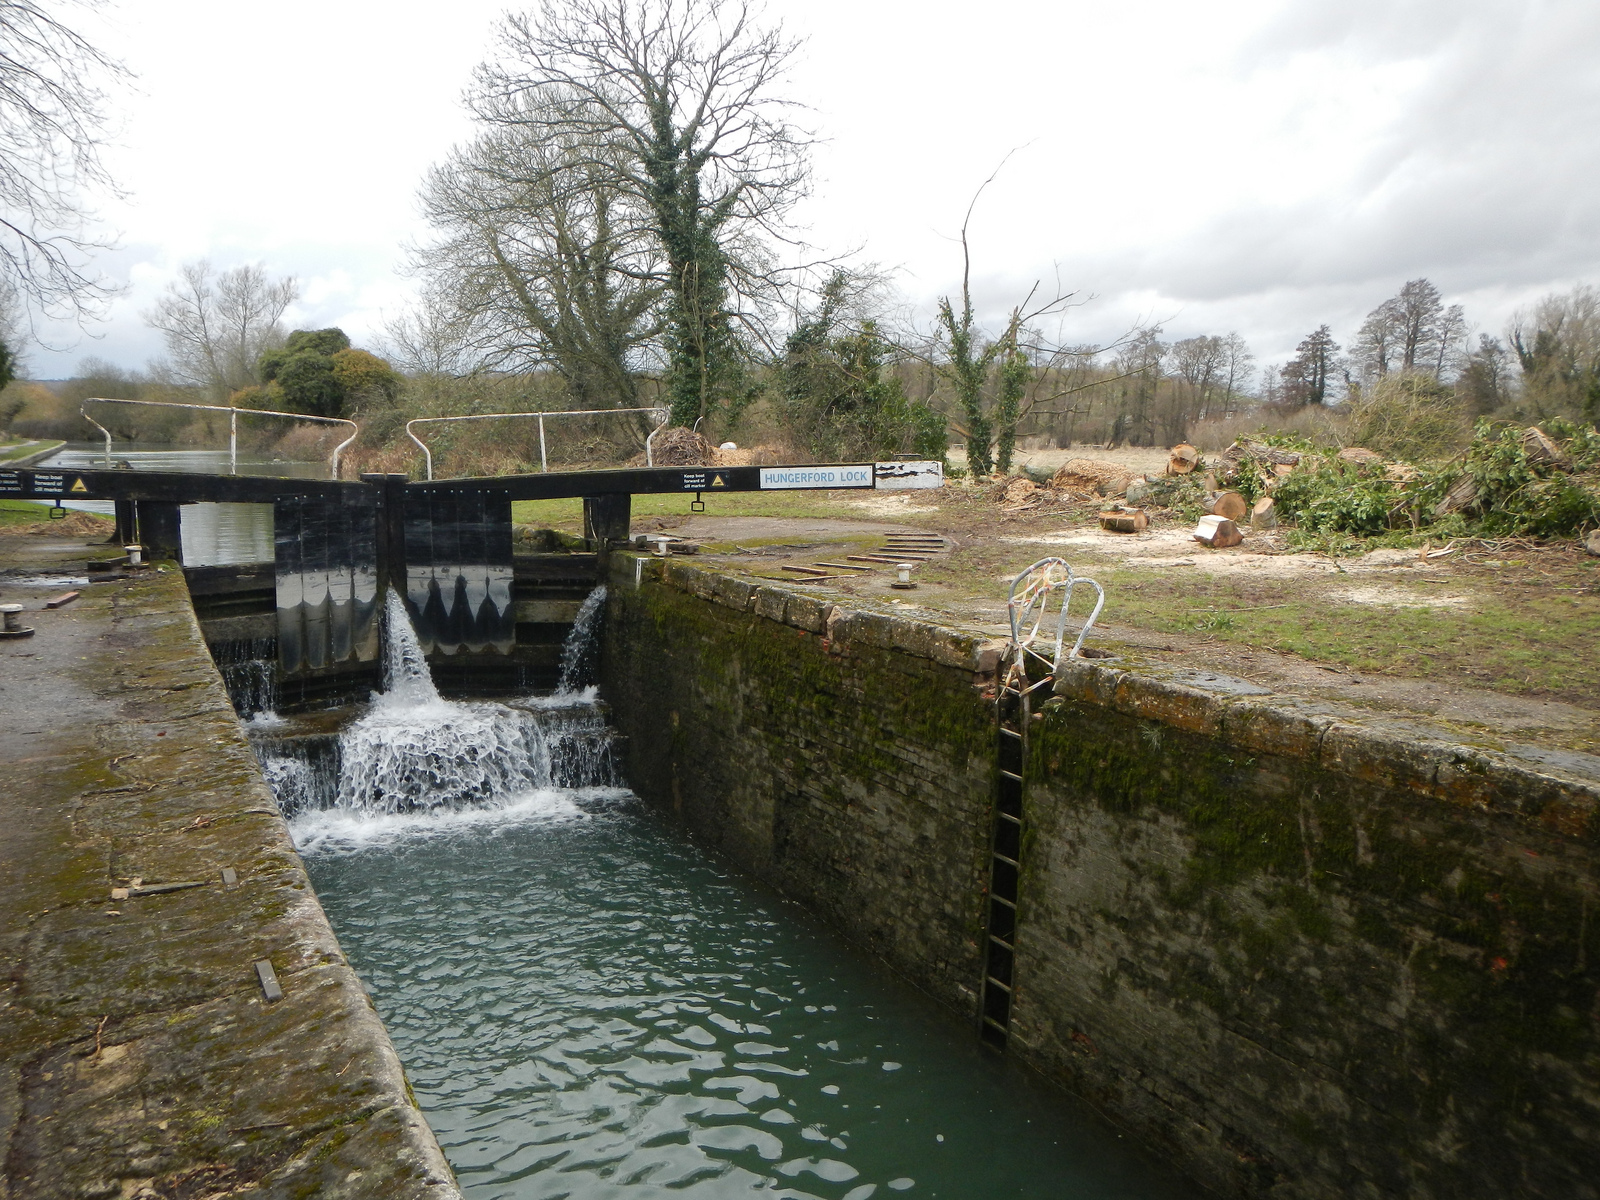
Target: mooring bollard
13 622
903 582
135 555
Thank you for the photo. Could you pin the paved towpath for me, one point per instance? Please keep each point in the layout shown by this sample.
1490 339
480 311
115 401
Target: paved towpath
139 1055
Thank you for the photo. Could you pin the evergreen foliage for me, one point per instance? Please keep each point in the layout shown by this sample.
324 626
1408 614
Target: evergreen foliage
837 397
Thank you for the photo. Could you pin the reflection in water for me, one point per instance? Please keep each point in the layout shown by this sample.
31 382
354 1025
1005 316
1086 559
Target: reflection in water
215 535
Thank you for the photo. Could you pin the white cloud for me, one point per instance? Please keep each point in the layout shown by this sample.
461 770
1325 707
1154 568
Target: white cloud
1259 165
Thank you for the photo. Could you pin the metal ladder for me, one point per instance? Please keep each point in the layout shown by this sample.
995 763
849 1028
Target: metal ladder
1028 607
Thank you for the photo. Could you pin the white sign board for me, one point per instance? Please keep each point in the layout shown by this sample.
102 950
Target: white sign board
854 476
900 475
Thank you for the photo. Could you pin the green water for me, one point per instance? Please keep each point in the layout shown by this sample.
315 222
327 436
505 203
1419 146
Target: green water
588 1006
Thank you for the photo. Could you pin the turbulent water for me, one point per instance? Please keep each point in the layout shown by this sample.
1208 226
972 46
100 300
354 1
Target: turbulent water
590 1007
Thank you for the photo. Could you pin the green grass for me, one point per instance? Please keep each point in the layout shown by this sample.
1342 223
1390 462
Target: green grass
567 514
1519 640
19 449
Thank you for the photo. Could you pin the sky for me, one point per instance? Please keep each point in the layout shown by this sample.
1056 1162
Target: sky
1255 165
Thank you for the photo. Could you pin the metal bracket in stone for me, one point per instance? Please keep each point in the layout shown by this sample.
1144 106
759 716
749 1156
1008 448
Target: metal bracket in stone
269 980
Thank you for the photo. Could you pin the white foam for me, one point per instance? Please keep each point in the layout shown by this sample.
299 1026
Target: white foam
334 831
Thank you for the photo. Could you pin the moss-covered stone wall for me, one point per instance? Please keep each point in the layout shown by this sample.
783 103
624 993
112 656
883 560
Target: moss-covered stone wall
853 776
1301 953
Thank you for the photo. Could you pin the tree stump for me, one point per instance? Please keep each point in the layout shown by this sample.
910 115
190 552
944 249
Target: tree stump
1217 532
1124 520
1182 459
1265 514
1228 504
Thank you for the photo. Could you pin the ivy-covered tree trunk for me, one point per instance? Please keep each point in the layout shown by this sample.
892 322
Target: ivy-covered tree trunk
1015 373
966 372
704 367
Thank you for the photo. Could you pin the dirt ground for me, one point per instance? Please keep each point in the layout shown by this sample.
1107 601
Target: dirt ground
1492 642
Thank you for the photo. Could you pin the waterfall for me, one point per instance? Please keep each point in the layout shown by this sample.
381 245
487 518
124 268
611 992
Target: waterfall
249 671
578 652
406 679
416 752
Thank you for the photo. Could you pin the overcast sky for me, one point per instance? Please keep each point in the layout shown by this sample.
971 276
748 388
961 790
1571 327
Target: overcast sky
1256 166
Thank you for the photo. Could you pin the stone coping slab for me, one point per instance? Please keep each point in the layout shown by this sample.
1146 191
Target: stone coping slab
140 1053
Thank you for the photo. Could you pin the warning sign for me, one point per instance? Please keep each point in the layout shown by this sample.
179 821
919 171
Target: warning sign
77 486
716 481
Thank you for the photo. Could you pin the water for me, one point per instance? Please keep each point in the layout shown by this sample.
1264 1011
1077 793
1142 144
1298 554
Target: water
590 1007
214 535
581 651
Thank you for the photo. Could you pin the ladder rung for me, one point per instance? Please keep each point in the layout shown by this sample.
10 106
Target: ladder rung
1002 943
1008 817
988 1020
1008 861
1016 733
993 982
1011 904
1011 774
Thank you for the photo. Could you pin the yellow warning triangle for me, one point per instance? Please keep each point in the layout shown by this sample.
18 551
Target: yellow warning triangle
77 486
716 481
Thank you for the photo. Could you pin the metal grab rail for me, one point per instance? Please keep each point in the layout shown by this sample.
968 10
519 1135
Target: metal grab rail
662 415
233 425
1029 600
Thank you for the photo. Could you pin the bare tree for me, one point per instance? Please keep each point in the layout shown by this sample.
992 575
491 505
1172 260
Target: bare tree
991 410
1413 331
688 89
1558 347
431 337
544 256
1198 364
1238 367
52 117
216 326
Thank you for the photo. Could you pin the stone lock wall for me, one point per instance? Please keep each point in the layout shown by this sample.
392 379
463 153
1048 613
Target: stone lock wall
1298 952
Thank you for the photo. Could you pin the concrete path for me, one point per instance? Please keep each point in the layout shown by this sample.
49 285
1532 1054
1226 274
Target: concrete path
139 1054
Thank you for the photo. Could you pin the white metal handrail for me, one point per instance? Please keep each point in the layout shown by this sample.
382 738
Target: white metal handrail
233 425
661 415
1029 605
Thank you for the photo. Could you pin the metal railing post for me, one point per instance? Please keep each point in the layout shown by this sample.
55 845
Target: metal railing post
233 424
661 415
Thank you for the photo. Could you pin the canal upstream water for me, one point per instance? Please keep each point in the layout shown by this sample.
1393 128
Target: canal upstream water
589 1006
214 535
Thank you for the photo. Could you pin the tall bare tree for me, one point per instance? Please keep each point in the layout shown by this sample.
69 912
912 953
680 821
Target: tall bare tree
1412 331
216 326
52 120
1558 347
544 254
689 90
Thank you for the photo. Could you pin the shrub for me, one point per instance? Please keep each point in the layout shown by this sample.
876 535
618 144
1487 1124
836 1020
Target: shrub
1409 416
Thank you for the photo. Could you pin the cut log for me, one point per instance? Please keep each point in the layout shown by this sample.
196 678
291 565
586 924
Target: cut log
1592 542
1124 520
1360 455
1138 491
1182 459
1230 505
1463 494
1265 514
1542 451
1019 491
1089 476
1217 532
